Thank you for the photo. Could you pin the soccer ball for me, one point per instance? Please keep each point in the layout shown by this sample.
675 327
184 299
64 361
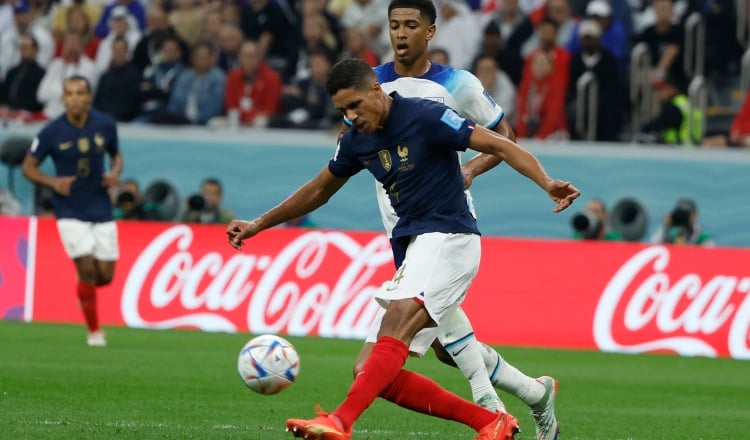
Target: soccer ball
268 364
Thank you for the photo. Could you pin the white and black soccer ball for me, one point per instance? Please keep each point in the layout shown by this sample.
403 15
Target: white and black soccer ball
268 364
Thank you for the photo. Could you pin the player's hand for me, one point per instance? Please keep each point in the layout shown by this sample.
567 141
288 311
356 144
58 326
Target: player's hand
239 230
563 193
63 184
110 180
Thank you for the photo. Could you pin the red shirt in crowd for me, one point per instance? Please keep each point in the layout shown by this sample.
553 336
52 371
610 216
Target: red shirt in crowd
262 96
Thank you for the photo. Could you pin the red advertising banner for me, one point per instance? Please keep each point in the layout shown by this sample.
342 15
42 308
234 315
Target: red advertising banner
589 295
14 247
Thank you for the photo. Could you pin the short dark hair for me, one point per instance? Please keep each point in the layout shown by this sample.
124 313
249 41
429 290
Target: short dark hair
349 73
425 7
78 78
213 181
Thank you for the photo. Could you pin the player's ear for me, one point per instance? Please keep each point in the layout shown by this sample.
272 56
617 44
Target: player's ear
430 32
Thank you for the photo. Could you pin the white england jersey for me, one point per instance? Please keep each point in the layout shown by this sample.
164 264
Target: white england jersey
458 89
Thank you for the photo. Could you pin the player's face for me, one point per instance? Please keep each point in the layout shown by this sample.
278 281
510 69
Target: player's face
409 35
363 108
76 97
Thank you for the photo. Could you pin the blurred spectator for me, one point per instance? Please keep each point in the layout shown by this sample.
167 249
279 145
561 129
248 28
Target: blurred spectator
671 126
543 89
454 17
118 93
276 31
369 16
159 79
320 7
206 207
212 28
18 93
439 55
610 91
187 20
722 49
316 36
253 88
6 14
492 45
134 7
357 45
230 39
230 13
305 102
71 62
121 25
665 40
78 21
9 205
195 97
614 36
128 202
497 84
59 25
593 223
681 226
515 30
147 50
23 24
559 12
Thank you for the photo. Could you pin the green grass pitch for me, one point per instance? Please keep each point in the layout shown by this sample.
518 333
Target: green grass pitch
174 384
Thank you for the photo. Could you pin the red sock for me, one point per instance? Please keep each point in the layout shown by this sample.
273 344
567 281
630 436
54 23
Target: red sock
418 393
381 368
87 301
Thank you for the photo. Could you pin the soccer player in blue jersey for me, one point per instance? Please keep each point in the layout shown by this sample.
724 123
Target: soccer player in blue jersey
409 145
78 143
411 74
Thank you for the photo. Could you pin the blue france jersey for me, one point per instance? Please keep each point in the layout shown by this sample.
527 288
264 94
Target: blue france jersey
414 158
458 89
80 152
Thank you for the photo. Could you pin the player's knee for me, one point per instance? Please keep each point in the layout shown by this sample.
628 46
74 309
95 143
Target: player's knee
357 367
103 279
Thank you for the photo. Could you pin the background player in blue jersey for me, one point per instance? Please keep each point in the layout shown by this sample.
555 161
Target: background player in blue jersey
411 74
409 145
78 142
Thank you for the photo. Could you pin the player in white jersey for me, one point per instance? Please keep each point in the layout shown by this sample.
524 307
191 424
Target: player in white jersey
411 26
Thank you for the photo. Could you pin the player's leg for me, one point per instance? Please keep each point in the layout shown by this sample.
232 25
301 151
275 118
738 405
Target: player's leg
458 344
78 240
106 251
457 337
539 394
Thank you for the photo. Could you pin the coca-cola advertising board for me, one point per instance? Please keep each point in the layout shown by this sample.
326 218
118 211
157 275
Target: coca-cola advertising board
620 297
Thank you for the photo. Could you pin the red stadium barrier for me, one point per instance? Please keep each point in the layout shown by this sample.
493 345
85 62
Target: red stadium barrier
618 297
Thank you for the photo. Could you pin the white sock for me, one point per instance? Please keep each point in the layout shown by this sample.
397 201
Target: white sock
508 378
457 337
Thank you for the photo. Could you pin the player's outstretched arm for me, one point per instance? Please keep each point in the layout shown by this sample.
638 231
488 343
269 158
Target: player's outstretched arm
306 199
486 141
482 162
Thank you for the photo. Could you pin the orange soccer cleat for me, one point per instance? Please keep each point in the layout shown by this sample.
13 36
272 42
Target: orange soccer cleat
323 427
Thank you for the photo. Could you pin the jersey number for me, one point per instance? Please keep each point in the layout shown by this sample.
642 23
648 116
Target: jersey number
84 169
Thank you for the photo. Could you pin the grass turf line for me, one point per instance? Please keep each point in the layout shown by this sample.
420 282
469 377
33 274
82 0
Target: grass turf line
175 384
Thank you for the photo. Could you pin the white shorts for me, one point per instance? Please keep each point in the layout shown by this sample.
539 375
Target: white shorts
437 271
81 238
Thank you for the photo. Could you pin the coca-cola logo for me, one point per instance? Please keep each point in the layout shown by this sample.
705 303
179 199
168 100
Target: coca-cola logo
169 280
677 314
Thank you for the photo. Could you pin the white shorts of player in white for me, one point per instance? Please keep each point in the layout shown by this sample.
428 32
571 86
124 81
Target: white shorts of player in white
81 238
437 271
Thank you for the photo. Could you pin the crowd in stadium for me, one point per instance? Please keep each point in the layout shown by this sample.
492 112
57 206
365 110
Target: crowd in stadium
263 63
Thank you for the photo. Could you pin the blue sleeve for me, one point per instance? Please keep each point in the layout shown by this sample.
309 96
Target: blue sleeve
42 145
445 128
344 163
179 94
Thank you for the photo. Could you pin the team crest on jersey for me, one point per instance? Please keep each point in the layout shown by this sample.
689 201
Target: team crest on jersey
385 159
99 141
403 152
83 145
